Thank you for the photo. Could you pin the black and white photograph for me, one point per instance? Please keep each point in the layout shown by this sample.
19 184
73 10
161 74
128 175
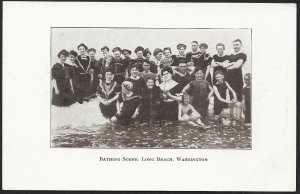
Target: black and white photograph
151 88
149 96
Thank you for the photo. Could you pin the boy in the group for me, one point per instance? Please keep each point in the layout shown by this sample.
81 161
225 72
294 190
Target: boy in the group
247 99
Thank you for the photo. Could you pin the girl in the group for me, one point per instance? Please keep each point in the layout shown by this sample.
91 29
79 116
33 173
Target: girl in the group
146 72
84 73
170 90
108 91
108 64
221 90
95 68
120 65
136 80
127 105
150 102
62 75
247 99
167 60
201 92
187 113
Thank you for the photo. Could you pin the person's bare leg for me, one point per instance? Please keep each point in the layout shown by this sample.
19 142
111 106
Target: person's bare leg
238 112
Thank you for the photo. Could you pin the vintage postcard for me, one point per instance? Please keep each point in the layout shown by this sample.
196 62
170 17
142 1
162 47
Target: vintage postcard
149 96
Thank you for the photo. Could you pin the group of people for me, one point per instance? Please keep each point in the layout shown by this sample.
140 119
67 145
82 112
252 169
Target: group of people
166 88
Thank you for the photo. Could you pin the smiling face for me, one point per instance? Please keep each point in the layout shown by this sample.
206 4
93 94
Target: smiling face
150 83
237 46
72 58
139 54
181 50
199 75
82 50
134 72
167 53
219 78
117 54
92 55
194 46
63 58
220 50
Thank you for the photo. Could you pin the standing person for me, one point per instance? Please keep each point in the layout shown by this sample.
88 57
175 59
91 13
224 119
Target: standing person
150 101
169 89
108 65
157 53
247 99
188 114
84 74
147 55
181 55
95 68
182 76
204 60
146 72
221 88
108 90
167 60
235 76
201 92
127 60
136 80
218 61
72 57
120 66
139 57
127 105
193 57
62 74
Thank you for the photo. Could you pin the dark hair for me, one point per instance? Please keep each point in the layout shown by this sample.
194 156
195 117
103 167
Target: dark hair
109 70
74 53
146 51
150 78
181 45
220 44
168 48
126 50
203 45
219 72
105 47
63 52
167 68
117 49
248 75
186 94
237 40
156 51
198 69
134 65
194 41
91 50
82 45
139 48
